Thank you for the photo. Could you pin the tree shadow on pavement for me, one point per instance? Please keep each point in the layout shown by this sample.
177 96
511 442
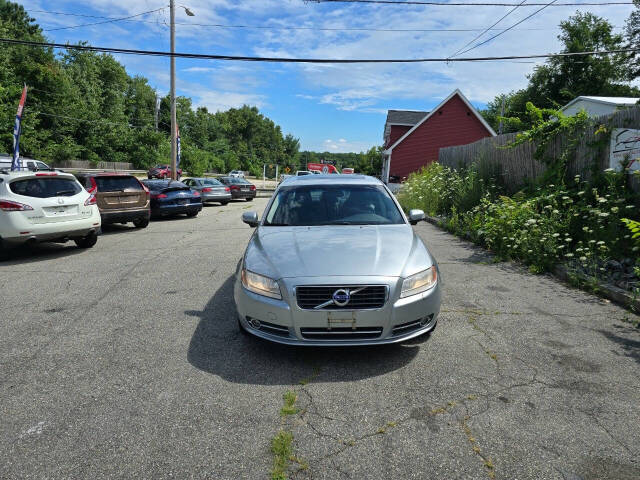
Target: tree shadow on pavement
218 347
631 347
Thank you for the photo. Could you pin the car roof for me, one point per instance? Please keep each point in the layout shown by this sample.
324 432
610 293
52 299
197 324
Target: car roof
29 173
332 179
104 174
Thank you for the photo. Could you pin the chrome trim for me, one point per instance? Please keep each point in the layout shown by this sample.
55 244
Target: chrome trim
361 287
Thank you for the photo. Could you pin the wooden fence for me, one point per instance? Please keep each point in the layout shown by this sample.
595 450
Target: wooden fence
84 165
517 165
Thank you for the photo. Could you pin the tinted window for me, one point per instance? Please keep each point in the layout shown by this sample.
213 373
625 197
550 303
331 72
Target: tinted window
211 182
157 185
46 187
117 184
333 205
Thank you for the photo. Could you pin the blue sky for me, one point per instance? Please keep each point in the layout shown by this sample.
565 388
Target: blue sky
338 108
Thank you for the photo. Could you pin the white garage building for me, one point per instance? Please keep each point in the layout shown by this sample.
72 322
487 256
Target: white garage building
598 106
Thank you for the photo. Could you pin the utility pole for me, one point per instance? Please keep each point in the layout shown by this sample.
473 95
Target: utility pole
172 95
174 140
156 112
501 115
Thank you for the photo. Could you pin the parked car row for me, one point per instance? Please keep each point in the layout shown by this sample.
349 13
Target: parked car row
40 206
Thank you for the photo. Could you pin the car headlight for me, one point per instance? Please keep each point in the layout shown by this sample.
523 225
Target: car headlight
260 284
420 282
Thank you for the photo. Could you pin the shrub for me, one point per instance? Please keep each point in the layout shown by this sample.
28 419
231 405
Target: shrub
579 224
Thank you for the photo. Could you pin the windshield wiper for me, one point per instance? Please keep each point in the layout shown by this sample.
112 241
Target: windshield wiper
65 192
277 225
345 222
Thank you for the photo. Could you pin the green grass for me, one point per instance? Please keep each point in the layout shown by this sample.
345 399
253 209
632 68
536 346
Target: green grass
289 407
282 452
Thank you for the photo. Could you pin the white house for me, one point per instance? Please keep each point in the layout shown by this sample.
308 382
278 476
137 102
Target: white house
598 106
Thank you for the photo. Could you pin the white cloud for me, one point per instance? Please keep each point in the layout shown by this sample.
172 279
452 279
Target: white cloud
220 100
342 146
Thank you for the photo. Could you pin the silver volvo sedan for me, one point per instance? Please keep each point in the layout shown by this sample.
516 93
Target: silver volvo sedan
334 261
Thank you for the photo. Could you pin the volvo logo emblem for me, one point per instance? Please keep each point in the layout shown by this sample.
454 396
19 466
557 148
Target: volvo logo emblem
341 297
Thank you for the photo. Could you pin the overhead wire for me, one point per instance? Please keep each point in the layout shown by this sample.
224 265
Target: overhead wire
474 4
310 28
489 28
110 20
507 29
201 56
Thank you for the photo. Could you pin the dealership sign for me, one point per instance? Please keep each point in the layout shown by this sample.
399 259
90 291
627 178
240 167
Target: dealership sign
625 149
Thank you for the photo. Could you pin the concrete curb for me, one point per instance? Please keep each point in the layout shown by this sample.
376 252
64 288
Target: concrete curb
606 290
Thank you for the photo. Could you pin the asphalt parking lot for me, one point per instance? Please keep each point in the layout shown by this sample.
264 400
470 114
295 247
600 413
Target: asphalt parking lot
125 361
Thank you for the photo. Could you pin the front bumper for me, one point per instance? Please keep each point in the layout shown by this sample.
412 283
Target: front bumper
282 321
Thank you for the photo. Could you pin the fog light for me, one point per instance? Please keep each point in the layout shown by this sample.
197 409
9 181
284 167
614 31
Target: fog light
254 322
425 320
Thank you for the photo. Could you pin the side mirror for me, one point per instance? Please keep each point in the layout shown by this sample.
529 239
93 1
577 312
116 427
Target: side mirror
250 218
415 216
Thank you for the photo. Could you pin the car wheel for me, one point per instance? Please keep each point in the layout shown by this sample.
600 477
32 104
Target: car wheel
249 199
88 241
224 203
192 214
149 177
141 222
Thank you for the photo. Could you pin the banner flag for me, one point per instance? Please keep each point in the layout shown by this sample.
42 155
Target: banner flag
16 164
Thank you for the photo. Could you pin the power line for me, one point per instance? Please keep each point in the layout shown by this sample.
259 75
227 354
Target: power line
474 4
489 28
111 20
201 56
329 29
509 28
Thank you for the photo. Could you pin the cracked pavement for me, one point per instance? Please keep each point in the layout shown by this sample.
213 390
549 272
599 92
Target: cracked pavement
125 361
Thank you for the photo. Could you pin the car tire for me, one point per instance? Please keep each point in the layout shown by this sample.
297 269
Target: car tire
88 241
192 214
249 199
141 222
224 203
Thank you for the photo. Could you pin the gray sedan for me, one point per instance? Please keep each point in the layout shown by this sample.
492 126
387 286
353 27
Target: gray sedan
334 261
211 190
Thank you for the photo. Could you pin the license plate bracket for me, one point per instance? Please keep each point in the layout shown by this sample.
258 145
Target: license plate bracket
337 319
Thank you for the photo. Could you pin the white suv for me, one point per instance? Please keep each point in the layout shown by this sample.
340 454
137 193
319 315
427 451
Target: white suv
236 174
46 207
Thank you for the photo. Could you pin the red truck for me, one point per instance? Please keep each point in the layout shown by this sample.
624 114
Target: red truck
322 168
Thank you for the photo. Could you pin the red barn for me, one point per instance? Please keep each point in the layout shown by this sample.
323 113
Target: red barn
413 139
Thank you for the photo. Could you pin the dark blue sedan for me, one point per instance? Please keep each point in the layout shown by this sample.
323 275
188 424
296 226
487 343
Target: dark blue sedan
169 197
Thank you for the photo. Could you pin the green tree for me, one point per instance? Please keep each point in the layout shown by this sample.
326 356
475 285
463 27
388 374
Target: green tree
632 36
561 79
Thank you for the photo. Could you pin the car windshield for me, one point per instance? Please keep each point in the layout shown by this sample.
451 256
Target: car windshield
46 187
211 182
333 205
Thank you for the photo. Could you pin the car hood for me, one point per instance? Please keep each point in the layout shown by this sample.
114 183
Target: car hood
342 250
